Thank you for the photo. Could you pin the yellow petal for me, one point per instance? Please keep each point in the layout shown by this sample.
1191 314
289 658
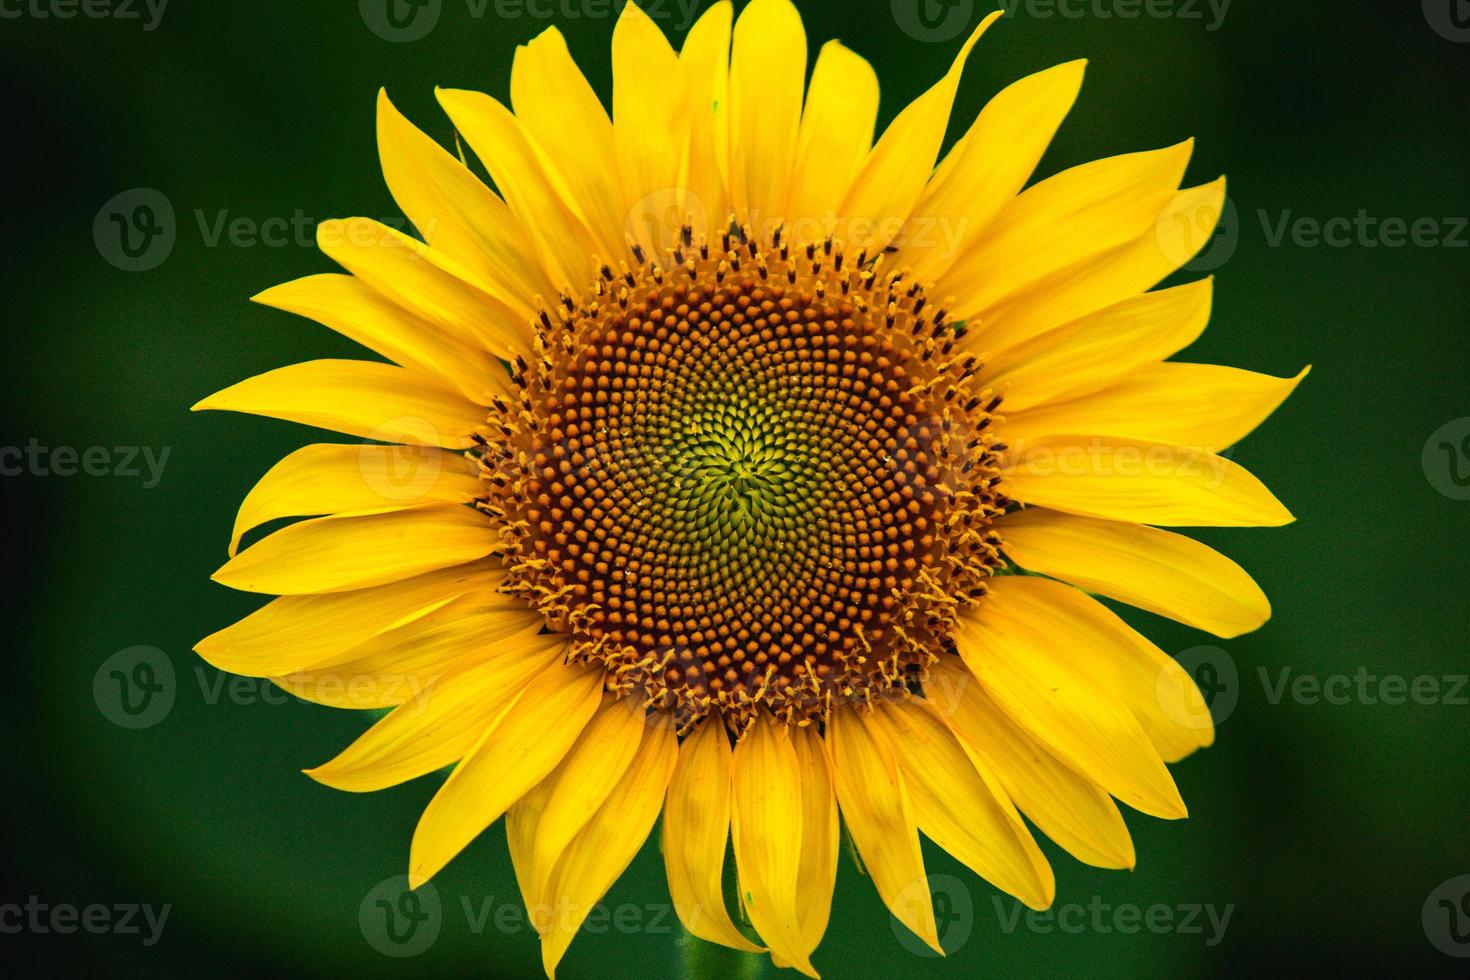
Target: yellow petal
358 551
1099 349
650 126
1066 219
892 179
582 782
331 479
767 78
1204 405
1165 573
991 163
695 828
359 398
1033 679
1089 639
354 309
512 756
879 816
393 667
835 136
961 807
500 140
1183 227
610 840
441 723
819 835
767 831
704 62
1068 807
1140 481
427 282
458 214
572 135
299 631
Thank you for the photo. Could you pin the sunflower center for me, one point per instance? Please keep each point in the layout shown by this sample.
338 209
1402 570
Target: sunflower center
757 477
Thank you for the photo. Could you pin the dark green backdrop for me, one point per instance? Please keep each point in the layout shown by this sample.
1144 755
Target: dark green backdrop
1323 828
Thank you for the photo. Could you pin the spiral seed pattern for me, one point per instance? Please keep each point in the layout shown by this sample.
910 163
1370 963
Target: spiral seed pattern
758 477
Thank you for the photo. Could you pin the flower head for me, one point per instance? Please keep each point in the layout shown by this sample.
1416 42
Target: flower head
733 466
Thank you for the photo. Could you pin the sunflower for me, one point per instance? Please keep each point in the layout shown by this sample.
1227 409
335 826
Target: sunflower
730 465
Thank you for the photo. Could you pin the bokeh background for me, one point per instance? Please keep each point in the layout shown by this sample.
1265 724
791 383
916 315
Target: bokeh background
1328 833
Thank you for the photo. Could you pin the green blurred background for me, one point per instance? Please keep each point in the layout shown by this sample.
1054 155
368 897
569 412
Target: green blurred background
1320 828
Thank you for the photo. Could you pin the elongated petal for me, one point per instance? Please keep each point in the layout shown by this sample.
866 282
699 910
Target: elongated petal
695 830
524 744
767 830
835 137
705 64
650 126
1136 480
427 282
500 140
1023 667
819 835
331 479
441 723
572 135
1163 572
1063 220
358 551
962 808
609 841
767 78
458 214
879 816
1182 227
1205 405
359 398
992 162
893 178
396 666
1085 636
354 309
300 631
1098 350
582 782
1067 806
